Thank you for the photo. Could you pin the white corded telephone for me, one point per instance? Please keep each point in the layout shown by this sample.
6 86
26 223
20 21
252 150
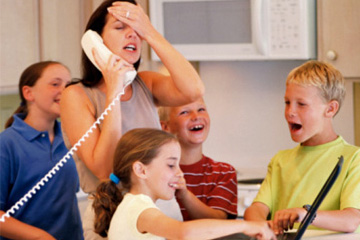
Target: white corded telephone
89 41
92 39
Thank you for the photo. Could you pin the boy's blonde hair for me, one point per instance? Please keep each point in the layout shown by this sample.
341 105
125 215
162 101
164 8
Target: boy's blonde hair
324 76
164 113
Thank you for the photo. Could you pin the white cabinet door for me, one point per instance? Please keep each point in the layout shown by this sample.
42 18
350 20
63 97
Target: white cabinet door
339 35
19 40
39 30
60 32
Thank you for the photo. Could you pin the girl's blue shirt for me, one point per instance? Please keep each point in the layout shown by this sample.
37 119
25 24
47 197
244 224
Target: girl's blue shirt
26 155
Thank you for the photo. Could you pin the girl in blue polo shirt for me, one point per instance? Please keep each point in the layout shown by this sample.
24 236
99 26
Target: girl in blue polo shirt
30 146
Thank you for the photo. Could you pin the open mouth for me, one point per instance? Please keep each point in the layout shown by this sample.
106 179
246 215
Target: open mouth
130 47
197 128
295 126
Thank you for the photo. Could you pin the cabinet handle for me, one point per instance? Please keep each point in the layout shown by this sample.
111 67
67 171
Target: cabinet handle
331 55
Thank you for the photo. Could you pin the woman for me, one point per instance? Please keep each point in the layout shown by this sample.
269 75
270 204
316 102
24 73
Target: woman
30 146
123 25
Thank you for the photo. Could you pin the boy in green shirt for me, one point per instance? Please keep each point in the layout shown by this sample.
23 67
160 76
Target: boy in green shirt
314 94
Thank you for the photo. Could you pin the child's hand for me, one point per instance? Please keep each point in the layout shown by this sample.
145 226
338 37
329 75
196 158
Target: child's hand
181 189
259 230
285 219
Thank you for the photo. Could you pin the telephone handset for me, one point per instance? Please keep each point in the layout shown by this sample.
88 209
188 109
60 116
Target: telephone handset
92 39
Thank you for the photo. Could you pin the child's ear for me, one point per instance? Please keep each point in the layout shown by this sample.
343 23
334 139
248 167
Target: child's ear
27 93
165 126
139 169
332 109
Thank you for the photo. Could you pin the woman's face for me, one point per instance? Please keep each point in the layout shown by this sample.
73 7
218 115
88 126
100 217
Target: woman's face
121 39
44 96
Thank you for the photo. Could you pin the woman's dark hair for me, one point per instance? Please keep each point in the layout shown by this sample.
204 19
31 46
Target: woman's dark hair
141 144
90 74
29 78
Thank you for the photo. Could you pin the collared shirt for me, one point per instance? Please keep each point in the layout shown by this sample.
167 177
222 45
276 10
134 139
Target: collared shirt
26 156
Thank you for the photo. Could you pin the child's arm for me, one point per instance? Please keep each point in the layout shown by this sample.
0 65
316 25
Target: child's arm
14 229
257 212
196 208
155 222
346 220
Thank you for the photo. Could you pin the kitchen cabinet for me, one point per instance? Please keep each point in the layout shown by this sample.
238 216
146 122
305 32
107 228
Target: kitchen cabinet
40 30
61 26
339 35
19 40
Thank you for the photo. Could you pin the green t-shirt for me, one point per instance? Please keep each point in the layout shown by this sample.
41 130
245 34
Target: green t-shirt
296 176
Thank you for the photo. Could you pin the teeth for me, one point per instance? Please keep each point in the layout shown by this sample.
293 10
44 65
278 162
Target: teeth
130 47
197 127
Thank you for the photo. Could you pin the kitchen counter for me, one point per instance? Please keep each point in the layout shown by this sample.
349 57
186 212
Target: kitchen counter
249 181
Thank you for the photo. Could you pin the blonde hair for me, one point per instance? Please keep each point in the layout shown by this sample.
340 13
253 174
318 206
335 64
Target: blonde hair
164 113
324 76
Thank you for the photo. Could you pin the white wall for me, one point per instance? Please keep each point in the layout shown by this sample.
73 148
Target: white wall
245 103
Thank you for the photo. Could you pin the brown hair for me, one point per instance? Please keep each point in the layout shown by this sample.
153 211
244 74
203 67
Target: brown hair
141 144
90 74
29 78
324 76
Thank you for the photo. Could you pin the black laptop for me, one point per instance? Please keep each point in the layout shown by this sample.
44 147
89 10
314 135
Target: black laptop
310 214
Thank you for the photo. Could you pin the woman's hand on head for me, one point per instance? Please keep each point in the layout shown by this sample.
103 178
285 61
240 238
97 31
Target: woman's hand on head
134 16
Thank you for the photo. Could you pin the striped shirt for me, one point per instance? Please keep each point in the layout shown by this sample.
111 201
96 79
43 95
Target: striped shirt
214 183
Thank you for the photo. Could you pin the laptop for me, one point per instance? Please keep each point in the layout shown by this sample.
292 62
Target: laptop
310 214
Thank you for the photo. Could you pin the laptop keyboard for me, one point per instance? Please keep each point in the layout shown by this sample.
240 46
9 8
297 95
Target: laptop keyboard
240 236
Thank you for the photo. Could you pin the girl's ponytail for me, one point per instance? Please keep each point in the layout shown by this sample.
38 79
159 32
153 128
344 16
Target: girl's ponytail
106 199
21 109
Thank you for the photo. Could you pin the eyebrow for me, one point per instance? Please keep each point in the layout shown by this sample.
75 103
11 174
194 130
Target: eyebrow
116 21
172 159
58 79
